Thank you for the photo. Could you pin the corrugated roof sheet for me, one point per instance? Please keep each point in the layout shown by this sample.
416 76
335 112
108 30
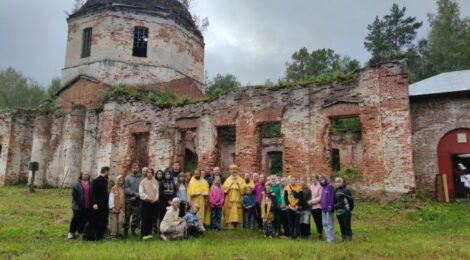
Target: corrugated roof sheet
443 83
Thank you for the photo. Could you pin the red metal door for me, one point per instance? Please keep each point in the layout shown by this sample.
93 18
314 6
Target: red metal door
454 142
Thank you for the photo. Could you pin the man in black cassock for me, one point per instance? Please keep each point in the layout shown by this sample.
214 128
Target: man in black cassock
99 199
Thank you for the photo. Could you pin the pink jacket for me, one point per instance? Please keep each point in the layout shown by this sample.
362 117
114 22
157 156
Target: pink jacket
216 197
316 196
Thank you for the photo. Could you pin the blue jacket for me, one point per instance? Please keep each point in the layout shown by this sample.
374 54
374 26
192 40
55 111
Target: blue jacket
249 200
191 219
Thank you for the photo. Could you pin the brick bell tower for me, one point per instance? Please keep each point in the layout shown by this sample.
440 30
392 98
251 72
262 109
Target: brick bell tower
150 44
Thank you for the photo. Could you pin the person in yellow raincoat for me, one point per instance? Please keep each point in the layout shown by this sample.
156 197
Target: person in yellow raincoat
233 189
197 194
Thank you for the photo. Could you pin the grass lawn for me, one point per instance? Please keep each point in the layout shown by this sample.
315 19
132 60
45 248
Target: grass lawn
34 226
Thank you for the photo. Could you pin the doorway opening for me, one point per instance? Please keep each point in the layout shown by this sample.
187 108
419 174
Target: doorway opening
141 149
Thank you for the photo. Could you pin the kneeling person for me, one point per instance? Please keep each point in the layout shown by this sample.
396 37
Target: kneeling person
192 221
173 227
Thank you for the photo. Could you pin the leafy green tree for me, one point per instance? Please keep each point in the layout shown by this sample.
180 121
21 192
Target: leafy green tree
393 35
221 84
447 46
18 91
319 63
54 87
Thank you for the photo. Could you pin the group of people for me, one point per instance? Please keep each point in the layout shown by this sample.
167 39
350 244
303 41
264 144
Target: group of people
178 205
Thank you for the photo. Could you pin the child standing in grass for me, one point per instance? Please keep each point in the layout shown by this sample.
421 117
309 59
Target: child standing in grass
117 206
249 204
269 207
216 201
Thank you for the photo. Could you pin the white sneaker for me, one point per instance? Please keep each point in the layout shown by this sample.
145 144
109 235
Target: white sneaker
70 236
163 237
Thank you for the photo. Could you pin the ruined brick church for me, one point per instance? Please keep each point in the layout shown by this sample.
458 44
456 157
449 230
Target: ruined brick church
405 139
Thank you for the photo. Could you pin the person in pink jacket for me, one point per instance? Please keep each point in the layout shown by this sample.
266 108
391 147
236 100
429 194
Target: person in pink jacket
216 201
316 189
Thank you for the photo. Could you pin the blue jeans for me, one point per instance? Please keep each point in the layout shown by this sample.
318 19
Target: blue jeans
293 219
249 218
328 226
216 216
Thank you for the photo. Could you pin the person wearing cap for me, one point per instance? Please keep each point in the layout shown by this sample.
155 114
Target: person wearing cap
233 188
197 194
172 226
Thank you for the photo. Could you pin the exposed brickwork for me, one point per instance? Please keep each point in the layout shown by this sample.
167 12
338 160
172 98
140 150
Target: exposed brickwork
433 117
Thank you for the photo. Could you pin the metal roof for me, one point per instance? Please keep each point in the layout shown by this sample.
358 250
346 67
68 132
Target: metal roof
454 81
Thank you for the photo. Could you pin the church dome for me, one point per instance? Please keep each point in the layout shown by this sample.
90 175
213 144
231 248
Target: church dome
172 9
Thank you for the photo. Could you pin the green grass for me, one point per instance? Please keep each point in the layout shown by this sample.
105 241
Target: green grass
34 226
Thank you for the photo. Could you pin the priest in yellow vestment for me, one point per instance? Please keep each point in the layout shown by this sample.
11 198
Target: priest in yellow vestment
198 192
233 189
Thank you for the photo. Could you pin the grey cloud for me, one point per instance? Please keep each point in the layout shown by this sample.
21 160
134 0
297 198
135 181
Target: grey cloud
250 39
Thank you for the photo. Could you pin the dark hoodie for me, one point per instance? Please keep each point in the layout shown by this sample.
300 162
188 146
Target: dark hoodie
327 196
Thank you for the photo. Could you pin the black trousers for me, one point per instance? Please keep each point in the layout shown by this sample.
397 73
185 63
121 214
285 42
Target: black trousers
293 218
79 219
97 224
148 218
258 218
182 209
284 223
344 221
316 214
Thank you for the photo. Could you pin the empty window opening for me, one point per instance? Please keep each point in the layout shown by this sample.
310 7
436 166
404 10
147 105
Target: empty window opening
271 130
346 125
141 149
275 163
226 139
335 160
141 36
86 42
190 160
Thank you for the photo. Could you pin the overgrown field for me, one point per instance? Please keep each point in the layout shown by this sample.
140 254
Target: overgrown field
34 226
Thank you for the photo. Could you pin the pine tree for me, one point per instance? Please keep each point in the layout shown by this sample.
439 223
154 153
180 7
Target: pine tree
393 35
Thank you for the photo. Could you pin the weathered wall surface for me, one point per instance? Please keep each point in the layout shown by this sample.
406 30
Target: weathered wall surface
433 117
86 140
16 133
173 52
86 92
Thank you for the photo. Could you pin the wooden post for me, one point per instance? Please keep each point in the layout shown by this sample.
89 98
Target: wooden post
446 188
33 167
31 184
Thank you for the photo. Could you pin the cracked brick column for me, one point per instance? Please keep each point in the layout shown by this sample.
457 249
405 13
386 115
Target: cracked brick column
41 148
73 143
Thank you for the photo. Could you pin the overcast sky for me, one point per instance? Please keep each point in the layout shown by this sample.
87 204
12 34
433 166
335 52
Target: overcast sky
252 39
